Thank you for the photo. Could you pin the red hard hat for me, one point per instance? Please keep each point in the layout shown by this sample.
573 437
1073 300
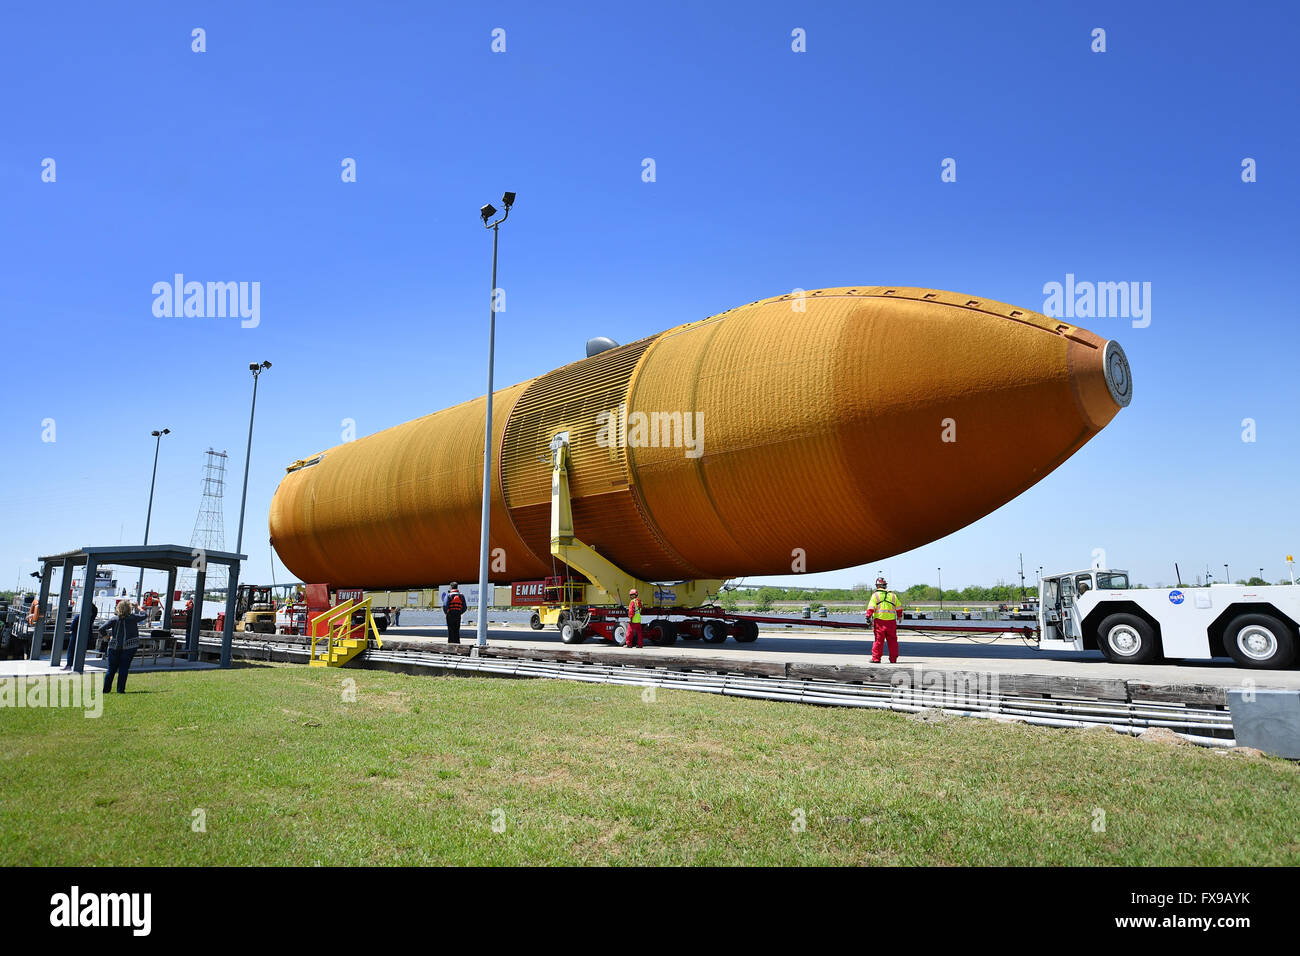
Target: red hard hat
881 582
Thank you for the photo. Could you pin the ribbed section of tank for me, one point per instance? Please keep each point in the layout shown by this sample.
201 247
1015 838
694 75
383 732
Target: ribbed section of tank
808 432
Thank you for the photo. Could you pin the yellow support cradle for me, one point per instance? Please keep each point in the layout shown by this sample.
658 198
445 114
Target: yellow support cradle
335 629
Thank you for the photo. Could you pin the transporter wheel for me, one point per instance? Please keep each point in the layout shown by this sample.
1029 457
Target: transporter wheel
562 620
571 633
748 632
535 622
1127 639
1260 640
620 634
661 632
715 632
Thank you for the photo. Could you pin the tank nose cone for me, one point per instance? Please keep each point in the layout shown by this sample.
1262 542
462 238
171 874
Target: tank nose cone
1119 379
1100 376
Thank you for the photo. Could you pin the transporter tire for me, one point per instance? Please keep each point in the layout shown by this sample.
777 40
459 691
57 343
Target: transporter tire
620 634
1127 639
571 633
561 620
1260 640
535 622
715 632
748 632
661 632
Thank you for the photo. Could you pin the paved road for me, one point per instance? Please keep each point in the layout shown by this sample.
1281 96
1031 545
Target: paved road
1004 655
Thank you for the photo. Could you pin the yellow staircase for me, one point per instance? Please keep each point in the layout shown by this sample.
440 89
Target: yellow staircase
335 640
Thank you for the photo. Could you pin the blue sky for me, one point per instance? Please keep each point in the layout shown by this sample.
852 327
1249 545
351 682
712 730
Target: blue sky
775 170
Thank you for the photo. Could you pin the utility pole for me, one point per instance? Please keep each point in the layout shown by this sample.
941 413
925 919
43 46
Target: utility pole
257 370
139 588
484 585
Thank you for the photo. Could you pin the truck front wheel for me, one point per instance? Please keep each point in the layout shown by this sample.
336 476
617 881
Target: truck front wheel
1127 639
1260 640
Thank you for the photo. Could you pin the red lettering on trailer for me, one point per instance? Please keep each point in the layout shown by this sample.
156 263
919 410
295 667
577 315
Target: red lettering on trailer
525 593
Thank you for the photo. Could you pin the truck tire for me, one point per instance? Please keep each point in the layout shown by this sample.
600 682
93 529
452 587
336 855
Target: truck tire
620 634
1260 640
571 633
715 632
1127 639
662 632
535 622
748 632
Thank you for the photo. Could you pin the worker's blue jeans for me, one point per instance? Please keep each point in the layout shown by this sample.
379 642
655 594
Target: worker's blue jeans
119 662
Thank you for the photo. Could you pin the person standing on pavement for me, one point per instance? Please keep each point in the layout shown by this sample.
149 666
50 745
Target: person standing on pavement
634 620
453 605
882 612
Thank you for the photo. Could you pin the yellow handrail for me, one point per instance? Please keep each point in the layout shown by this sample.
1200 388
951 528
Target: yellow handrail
338 624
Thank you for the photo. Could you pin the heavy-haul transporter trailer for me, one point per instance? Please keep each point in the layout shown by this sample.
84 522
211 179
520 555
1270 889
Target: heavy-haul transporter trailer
597 607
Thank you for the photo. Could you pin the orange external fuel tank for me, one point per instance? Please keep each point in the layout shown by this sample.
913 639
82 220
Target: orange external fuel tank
835 427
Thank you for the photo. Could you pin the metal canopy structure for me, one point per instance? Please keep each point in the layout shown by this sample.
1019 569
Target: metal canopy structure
155 557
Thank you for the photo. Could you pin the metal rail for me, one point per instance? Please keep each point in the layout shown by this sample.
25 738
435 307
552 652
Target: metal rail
1204 726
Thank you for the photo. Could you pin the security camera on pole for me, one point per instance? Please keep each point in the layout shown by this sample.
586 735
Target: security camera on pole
484 586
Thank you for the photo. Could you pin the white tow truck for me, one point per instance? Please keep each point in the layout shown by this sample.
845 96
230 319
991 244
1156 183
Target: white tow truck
1097 610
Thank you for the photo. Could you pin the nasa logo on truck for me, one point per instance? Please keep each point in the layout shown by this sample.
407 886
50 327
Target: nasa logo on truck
1176 597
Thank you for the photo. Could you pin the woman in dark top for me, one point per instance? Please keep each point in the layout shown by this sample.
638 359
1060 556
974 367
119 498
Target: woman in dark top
124 628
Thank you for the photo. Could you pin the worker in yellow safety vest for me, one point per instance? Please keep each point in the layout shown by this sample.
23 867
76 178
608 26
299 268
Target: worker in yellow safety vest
633 621
882 612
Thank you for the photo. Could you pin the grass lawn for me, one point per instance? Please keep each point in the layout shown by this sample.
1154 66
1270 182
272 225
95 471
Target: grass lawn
418 770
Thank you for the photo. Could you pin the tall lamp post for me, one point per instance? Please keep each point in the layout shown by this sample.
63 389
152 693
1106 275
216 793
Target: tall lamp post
257 370
940 571
486 213
139 588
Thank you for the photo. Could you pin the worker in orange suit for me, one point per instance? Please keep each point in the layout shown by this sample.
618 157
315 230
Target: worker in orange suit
634 620
882 612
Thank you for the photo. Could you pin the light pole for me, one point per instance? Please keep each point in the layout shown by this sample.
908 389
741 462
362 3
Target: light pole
1226 578
486 213
139 588
940 570
257 370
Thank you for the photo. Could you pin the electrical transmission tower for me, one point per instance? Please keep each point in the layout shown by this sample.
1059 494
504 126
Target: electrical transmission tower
210 526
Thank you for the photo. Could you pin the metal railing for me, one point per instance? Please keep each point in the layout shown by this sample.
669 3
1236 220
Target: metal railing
338 627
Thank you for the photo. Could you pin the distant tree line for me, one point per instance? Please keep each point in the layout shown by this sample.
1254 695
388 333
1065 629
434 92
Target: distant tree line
765 597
